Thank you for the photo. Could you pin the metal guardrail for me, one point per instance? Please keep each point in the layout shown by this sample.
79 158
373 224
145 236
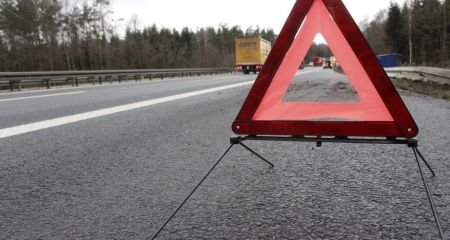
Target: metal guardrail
17 80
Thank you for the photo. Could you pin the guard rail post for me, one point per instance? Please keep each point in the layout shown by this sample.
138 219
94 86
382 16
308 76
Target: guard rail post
11 85
47 83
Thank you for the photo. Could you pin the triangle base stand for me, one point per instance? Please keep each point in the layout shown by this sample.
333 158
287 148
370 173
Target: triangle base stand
238 140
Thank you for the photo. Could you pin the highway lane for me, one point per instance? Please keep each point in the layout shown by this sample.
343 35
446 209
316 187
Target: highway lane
22 108
28 107
121 175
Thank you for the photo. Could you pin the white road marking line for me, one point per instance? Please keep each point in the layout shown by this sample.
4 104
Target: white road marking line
27 128
41 96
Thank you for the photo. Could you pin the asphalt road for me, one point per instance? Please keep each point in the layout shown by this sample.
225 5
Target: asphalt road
119 173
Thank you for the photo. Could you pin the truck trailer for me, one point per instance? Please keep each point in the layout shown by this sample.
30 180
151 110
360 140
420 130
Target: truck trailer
318 61
251 53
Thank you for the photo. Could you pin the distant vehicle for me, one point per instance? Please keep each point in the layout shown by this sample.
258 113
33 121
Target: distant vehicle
251 53
333 61
317 61
327 64
311 64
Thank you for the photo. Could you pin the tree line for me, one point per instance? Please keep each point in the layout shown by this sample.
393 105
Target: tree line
49 35
317 50
419 30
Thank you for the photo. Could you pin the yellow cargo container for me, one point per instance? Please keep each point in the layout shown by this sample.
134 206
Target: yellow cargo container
251 53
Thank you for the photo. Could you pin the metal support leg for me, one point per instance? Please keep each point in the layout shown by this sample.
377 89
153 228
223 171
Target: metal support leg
256 154
430 198
193 191
239 140
425 161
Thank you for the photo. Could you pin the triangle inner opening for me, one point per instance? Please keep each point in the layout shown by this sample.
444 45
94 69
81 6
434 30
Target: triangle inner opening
320 78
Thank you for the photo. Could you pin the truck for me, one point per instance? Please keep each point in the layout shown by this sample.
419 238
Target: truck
251 53
333 61
327 63
318 61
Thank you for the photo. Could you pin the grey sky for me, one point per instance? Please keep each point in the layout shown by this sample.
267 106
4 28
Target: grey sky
201 13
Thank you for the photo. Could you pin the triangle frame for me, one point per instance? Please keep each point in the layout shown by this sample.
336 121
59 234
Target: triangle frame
403 124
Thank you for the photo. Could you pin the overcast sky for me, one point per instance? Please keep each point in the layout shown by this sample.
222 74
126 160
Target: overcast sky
201 13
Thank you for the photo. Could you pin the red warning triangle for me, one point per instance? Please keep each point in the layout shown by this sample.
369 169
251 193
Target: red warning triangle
380 111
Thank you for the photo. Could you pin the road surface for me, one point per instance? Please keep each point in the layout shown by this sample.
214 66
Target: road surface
114 161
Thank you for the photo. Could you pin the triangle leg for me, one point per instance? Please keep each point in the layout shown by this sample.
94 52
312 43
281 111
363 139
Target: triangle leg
430 198
193 191
256 154
426 163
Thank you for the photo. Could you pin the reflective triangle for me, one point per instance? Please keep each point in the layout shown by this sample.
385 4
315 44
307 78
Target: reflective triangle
380 111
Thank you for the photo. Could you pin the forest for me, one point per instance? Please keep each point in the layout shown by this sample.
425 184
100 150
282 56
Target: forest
51 35
419 30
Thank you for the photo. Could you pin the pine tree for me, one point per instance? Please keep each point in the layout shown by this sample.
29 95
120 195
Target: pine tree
447 32
396 37
3 53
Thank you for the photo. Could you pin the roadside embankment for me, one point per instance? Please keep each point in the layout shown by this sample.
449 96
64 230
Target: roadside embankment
424 80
